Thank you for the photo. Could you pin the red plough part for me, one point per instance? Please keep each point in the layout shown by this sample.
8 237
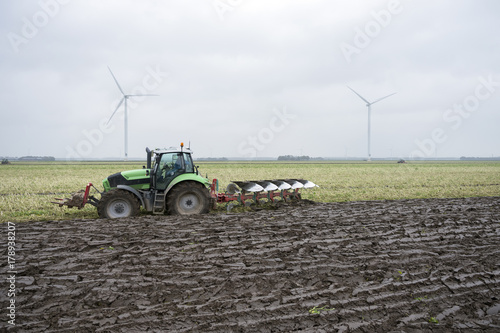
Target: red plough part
78 199
272 190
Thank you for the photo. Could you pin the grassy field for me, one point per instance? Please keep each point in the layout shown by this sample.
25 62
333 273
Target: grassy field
27 189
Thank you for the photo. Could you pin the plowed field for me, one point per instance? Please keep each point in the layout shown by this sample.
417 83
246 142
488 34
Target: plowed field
374 266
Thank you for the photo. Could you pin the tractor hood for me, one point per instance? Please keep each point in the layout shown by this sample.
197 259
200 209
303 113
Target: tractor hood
138 179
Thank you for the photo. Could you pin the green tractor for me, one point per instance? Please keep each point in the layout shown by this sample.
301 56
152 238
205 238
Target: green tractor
170 183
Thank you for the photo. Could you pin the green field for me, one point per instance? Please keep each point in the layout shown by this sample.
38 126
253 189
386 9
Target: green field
27 189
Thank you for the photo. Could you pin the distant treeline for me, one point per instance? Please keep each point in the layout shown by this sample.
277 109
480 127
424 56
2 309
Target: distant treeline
35 158
298 158
212 159
465 158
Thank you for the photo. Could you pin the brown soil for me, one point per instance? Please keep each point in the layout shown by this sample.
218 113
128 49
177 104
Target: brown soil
384 266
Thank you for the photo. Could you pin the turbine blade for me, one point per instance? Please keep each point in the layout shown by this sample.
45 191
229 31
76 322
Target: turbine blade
382 98
358 95
143 95
121 90
119 104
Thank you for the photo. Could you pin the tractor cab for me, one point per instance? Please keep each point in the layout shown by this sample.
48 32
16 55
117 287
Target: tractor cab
168 164
169 183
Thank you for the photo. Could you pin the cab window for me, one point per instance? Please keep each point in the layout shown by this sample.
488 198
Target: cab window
188 163
167 168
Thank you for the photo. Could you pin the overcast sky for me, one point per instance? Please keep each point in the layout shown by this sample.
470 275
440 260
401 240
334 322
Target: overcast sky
250 78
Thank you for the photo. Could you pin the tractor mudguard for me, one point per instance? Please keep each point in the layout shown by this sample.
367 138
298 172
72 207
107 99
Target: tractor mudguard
134 191
188 176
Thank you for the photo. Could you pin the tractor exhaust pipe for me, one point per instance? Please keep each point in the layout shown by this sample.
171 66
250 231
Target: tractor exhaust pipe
148 165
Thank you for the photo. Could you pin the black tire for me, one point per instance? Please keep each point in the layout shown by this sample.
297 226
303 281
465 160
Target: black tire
118 203
187 198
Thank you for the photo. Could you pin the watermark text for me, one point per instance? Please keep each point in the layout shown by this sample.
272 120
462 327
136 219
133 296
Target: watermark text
363 36
11 273
455 115
258 142
31 26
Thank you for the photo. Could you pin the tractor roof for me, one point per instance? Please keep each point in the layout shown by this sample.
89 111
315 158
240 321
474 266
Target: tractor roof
172 150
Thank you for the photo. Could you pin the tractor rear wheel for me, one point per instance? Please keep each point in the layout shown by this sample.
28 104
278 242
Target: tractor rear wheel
188 198
117 203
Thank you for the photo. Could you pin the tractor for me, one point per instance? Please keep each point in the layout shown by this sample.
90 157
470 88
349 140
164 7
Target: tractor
171 183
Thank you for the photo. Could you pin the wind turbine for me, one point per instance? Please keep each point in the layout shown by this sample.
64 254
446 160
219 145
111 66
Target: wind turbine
369 105
124 99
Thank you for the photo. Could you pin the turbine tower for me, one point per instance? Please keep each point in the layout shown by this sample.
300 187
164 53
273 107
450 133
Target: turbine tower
369 105
124 99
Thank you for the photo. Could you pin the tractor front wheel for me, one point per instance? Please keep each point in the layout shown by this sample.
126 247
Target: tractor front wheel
188 198
117 203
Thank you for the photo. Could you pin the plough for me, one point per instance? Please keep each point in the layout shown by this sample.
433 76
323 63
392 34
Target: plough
272 190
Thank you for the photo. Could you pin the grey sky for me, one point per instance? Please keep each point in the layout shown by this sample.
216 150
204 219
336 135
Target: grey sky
251 78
